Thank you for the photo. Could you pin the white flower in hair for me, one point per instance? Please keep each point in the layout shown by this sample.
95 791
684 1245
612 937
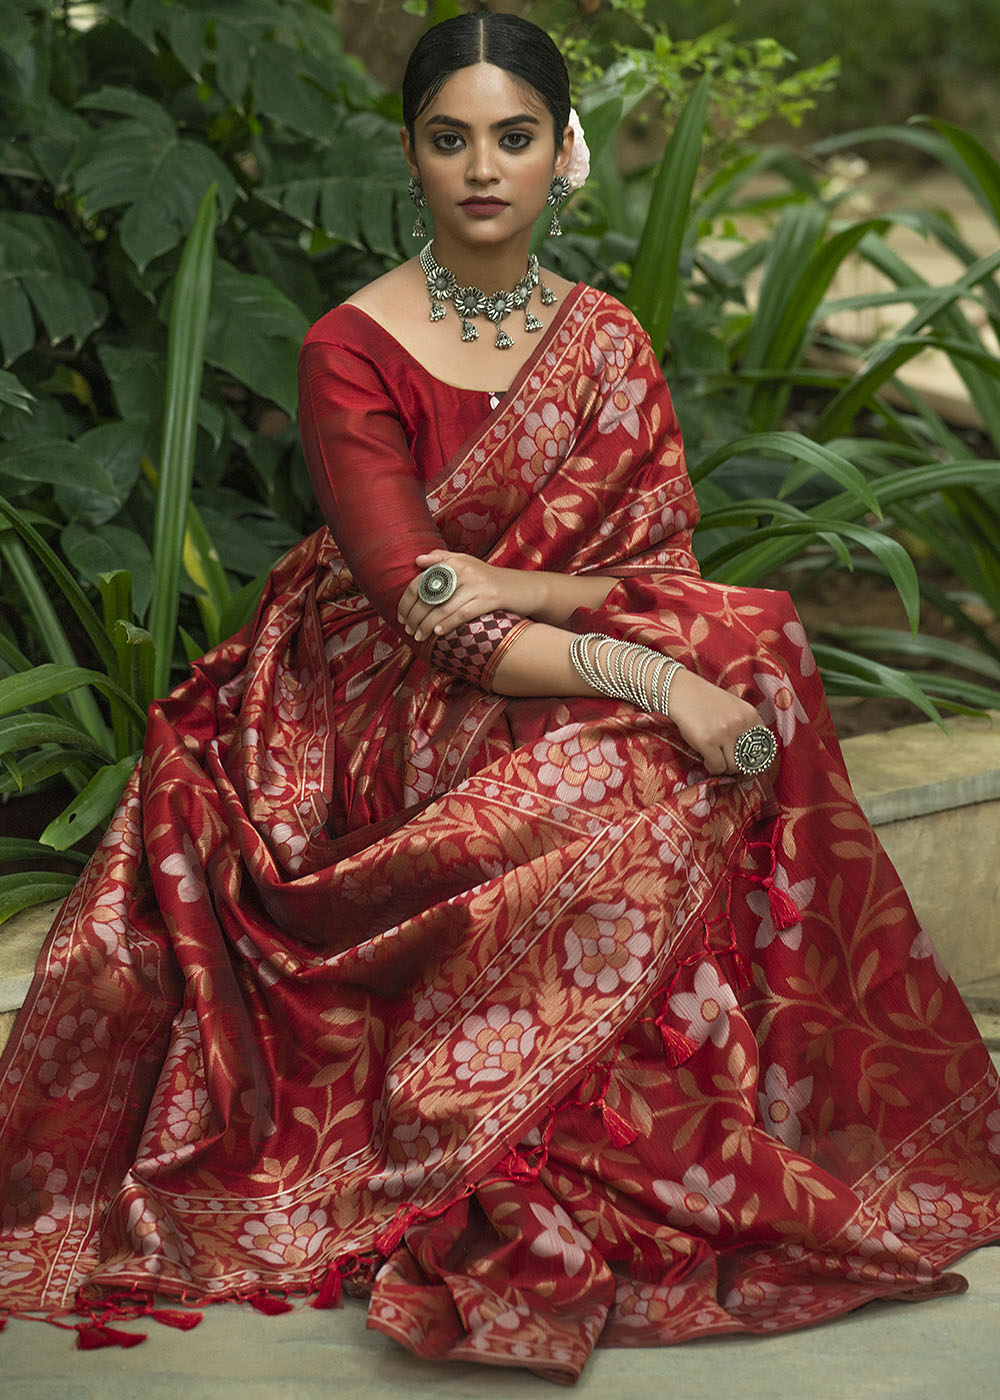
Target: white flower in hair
579 162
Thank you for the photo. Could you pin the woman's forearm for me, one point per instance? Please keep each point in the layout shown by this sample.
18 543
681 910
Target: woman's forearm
537 663
559 595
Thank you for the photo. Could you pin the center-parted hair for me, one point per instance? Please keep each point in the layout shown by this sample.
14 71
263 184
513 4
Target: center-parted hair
516 45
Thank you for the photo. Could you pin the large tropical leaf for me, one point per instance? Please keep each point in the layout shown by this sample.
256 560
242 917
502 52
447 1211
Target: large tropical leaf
144 165
254 333
350 188
43 273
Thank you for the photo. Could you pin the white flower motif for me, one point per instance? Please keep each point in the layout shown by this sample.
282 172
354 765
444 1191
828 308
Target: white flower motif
183 867
796 634
287 1239
14 1267
494 1047
706 1008
922 947
780 707
64 1067
560 1239
993 1123
929 1209
800 894
620 408
186 1115
34 1195
605 946
579 162
696 1199
781 1102
415 1148
574 771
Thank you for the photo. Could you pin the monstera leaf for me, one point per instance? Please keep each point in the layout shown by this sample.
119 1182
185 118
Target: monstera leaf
353 198
144 165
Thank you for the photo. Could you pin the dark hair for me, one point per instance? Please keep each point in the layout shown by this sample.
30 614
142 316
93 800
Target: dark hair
516 45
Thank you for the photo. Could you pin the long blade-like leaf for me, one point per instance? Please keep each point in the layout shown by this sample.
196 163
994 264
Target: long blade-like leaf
653 288
185 362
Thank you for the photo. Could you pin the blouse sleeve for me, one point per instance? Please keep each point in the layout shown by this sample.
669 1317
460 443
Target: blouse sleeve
373 499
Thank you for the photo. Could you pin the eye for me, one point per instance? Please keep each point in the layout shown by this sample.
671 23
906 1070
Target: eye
515 140
448 141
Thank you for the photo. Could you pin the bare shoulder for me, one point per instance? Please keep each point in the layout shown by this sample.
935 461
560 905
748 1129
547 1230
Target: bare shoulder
558 284
401 288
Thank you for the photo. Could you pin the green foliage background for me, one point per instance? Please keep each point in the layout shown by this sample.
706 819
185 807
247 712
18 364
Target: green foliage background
186 184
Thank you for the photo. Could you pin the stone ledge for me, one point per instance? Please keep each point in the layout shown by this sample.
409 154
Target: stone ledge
918 770
934 800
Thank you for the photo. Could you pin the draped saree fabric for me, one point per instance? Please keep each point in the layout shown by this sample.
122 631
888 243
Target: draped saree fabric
501 1012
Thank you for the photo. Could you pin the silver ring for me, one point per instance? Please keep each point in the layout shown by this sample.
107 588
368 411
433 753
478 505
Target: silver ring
756 749
436 584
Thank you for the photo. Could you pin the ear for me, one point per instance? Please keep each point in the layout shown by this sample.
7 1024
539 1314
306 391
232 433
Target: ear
565 152
408 156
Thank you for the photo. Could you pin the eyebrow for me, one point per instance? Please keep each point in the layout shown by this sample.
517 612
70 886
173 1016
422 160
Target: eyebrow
522 120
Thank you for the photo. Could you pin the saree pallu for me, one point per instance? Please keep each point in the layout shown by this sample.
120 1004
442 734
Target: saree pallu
502 1012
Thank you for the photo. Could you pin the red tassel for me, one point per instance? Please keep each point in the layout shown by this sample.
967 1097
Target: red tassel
388 1240
622 1134
271 1307
677 1047
784 911
90 1336
183 1320
331 1290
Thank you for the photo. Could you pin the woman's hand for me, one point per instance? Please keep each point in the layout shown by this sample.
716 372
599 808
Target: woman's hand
710 719
485 588
482 588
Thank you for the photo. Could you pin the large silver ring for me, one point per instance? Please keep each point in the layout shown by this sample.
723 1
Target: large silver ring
436 584
756 749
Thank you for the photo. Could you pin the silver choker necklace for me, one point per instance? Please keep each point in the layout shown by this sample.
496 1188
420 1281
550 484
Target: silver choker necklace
469 302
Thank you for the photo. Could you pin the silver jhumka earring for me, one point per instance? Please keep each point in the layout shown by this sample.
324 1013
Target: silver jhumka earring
416 191
558 193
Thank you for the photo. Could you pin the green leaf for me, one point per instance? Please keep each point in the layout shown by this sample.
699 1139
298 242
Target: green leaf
43 273
144 165
811 456
845 673
19 892
254 333
30 730
93 553
45 681
653 287
67 584
329 189
92 807
185 364
15 848
13 392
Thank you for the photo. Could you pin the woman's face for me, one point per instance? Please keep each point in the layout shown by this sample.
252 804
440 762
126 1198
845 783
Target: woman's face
485 151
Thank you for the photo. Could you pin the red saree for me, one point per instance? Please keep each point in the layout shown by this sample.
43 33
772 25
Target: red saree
501 1011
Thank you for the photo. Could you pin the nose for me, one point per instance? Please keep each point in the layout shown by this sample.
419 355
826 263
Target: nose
481 168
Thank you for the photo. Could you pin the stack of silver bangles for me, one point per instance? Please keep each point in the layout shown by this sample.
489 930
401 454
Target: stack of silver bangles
625 670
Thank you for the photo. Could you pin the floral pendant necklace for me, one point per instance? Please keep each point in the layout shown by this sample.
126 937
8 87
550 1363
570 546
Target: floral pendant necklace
469 302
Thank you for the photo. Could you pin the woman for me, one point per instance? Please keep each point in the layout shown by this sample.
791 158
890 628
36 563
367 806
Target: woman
417 959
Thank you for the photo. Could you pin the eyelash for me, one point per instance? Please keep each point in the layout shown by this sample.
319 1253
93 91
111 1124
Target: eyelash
523 138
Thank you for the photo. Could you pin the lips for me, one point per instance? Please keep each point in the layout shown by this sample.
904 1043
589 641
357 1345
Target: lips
483 208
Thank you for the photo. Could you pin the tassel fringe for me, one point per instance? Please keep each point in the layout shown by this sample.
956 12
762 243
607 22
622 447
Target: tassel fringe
91 1336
